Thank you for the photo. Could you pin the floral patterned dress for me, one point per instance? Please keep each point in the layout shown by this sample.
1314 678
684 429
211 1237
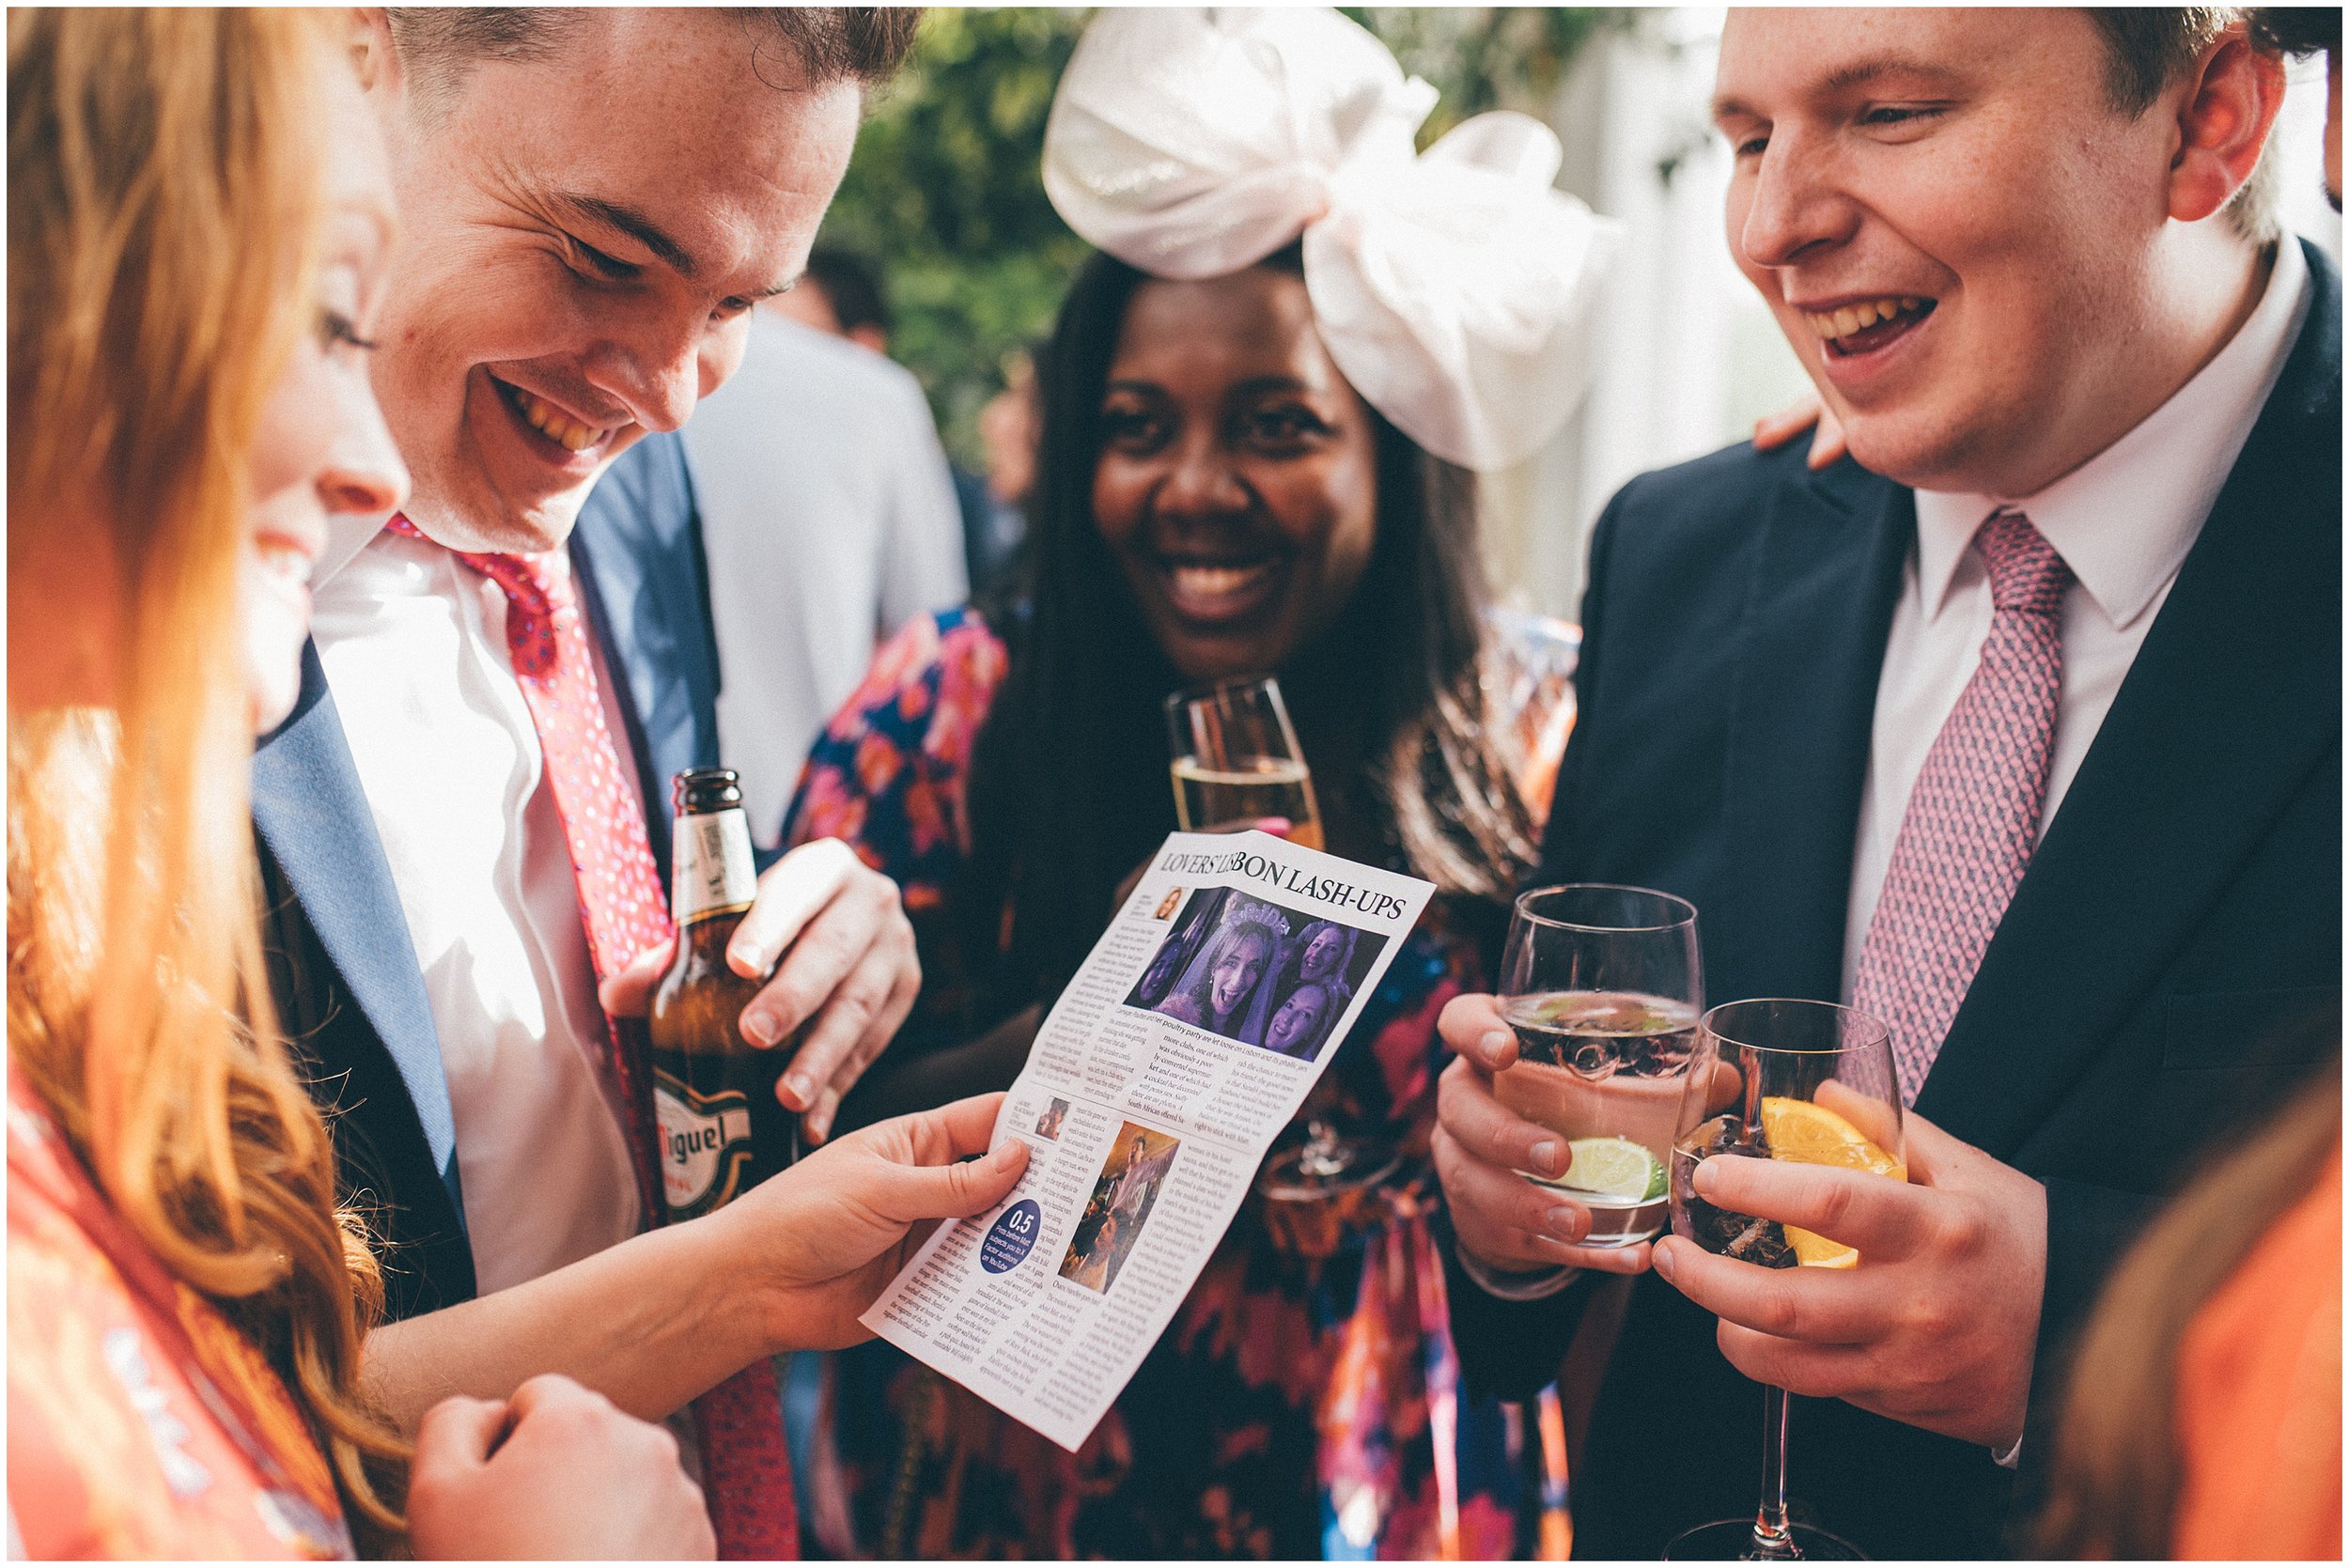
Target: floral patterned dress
1298 1405
140 1423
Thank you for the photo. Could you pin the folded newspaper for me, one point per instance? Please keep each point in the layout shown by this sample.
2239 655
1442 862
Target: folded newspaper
1178 1054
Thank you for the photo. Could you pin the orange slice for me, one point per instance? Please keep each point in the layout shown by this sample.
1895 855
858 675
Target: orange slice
1808 1133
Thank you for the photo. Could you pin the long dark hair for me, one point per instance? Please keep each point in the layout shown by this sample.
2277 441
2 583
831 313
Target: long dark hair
1068 794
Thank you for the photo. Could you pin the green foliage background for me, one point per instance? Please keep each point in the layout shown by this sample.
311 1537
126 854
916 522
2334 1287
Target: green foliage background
945 192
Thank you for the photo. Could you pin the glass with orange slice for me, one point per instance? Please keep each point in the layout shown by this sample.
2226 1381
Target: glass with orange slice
1812 1083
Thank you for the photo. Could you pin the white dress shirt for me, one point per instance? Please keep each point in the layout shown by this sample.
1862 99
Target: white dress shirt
829 519
2124 521
414 642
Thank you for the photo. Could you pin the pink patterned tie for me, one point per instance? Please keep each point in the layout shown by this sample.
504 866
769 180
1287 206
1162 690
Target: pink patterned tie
1973 818
744 1464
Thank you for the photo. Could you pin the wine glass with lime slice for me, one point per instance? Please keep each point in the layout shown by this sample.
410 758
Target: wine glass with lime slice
1602 985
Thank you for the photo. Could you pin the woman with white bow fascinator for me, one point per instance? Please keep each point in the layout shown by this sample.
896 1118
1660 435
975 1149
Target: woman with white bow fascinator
1451 287
1262 406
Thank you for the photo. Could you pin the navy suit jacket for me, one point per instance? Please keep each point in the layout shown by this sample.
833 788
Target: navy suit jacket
343 974
2170 966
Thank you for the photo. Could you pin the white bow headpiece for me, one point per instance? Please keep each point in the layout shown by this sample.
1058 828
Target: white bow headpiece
1451 287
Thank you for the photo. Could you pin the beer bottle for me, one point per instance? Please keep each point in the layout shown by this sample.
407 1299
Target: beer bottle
723 1131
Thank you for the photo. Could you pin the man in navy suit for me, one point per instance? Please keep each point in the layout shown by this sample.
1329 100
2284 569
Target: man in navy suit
2094 404
590 204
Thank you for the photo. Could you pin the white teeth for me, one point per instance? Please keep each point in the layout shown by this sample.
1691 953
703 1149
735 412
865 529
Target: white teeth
1831 325
554 426
1212 581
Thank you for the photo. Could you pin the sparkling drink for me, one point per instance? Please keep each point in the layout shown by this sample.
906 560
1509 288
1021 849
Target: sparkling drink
1603 1070
1244 789
1733 1236
1237 759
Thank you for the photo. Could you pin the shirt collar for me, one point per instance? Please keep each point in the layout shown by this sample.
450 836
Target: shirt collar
346 536
2124 519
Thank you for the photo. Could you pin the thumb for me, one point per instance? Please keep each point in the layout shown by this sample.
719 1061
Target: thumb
958 1190
629 993
1472 1026
459 1433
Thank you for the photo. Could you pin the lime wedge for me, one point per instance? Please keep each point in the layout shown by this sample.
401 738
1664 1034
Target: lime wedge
1613 1168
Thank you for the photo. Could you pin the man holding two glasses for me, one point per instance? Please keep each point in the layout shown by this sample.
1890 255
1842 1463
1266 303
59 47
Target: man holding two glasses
2019 732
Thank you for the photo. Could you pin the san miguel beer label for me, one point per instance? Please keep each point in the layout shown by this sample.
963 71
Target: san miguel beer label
705 1144
714 874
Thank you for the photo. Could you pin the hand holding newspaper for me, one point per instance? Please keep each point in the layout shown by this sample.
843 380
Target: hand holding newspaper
1178 1053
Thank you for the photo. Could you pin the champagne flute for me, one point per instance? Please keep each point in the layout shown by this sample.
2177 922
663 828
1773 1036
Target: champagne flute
1237 759
1603 985
1779 1078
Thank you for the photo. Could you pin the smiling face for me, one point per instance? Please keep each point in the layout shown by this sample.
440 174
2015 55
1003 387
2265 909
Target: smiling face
583 236
1954 228
1294 1024
1236 972
1321 954
1237 481
322 448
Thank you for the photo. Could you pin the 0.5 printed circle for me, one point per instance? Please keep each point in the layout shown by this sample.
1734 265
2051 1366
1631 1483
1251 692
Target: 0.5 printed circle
1012 1236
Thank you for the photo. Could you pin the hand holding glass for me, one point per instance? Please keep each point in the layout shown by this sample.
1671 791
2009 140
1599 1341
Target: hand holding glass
1805 1081
1601 984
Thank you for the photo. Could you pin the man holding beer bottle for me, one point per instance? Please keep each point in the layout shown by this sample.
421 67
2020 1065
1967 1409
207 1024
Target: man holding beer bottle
465 906
724 1128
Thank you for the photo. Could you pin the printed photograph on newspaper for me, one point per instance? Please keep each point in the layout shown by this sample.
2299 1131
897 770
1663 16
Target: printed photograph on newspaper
1177 1055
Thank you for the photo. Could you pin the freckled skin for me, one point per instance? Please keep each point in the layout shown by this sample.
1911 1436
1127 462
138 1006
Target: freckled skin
661 112
1989 172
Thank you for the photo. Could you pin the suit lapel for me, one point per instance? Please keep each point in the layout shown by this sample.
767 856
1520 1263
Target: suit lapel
1826 576
2234 697
637 554
624 697
310 809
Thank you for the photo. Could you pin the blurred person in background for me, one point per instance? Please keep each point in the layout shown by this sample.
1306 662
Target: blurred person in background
465 915
844 295
995 505
1217 494
2202 1416
840 295
2030 746
198 216
828 521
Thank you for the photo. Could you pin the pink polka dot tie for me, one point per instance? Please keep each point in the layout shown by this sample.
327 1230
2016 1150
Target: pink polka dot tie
1973 817
745 1466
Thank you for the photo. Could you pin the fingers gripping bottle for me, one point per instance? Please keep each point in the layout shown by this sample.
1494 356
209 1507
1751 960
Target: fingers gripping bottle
723 1131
